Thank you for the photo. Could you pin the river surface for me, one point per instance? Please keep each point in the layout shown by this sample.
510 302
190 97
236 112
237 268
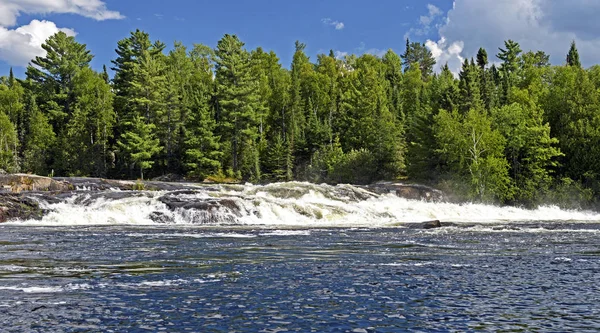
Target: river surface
511 277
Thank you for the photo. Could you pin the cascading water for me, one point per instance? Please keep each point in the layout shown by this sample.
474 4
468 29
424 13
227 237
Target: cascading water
290 204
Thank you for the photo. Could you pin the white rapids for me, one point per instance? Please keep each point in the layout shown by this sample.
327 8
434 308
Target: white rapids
292 204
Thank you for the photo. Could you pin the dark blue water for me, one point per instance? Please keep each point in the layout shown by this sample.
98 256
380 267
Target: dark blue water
525 278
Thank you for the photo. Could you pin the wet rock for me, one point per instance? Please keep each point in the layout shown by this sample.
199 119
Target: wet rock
408 191
108 196
425 225
222 211
22 182
159 217
204 204
18 207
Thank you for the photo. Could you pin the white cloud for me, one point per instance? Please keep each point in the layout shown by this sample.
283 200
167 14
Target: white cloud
425 21
445 53
535 24
337 24
376 52
433 13
95 9
19 46
340 54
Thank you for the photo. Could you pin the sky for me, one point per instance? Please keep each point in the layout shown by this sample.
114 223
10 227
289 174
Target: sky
452 30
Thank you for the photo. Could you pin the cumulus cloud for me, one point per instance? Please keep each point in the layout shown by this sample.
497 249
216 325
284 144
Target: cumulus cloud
445 53
535 24
95 9
337 24
19 46
433 13
425 21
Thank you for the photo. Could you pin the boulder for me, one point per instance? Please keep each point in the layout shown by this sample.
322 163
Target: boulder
425 225
18 207
17 183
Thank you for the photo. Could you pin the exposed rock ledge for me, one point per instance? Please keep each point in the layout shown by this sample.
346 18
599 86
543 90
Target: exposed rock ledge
19 193
17 183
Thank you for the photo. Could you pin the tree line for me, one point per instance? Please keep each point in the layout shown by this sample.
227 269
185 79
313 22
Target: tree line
517 131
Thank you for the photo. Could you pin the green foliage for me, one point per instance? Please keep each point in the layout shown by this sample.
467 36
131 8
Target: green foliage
473 151
419 56
573 56
139 145
332 165
90 128
8 145
39 138
238 106
524 133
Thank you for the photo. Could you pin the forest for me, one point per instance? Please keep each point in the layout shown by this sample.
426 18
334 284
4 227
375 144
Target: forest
512 129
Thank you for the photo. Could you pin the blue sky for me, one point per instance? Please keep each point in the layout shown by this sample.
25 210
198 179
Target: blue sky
274 25
453 30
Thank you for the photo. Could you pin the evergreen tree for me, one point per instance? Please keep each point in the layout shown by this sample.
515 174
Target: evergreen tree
469 87
139 145
53 81
417 53
91 126
139 86
39 139
393 74
52 76
510 57
202 148
238 100
482 58
573 56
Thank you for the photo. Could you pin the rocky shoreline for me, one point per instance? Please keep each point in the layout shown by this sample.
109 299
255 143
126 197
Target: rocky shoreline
21 195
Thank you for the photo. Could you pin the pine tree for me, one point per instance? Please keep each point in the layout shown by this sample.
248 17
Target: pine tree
482 58
139 145
52 76
573 56
469 87
139 85
238 100
416 53
203 153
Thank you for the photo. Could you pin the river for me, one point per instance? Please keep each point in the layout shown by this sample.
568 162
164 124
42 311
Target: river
104 264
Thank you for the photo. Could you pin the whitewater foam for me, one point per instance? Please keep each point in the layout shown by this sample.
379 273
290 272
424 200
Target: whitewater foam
285 204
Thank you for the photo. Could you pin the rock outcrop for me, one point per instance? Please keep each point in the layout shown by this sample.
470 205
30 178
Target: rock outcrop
18 207
17 183
424 225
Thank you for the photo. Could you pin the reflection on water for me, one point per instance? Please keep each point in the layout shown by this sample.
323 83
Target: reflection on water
522 277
